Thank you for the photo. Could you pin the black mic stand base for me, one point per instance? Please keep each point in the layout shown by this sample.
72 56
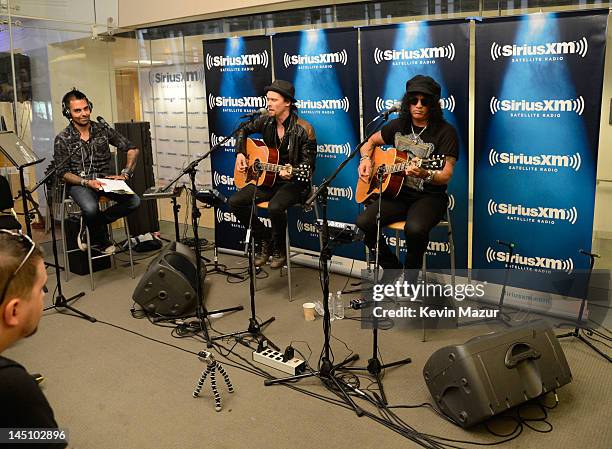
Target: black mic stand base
62 302
326 374
577 334
375 367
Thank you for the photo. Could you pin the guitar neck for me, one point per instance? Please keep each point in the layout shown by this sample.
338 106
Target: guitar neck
266 166
401 166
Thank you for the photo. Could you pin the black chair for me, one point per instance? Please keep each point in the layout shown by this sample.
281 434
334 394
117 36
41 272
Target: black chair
8 216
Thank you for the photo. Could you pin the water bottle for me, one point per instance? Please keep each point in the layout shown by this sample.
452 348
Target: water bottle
332 306
338 306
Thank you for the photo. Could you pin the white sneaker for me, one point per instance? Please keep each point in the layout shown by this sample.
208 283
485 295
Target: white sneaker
109 249
82 236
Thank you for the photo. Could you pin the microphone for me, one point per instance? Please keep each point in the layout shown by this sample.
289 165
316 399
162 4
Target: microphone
509 245
261 111
397 106
102 122
586 253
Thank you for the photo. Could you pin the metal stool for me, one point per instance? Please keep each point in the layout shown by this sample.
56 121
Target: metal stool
398 226
264 205
67 201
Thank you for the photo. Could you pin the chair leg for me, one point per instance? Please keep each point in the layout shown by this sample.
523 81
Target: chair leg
129 243
112 238
424 268
89 260
288 255
64 245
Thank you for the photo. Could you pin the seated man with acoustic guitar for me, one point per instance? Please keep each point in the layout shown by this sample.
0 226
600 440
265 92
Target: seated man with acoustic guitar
420 133
292 141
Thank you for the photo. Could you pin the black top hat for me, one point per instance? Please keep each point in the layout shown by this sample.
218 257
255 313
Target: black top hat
285 88
423 84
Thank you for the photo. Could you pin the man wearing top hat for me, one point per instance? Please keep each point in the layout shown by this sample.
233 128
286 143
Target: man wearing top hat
421 131
295 140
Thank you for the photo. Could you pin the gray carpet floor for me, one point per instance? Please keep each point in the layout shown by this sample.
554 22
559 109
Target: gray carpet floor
125 383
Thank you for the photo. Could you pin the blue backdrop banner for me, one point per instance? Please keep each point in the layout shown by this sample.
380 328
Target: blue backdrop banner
236 72
323 66
538 100
391 55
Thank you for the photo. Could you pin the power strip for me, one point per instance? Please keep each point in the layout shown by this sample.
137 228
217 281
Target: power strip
274 359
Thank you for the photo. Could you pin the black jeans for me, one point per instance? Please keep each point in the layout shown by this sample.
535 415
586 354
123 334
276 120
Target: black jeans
281 196
88 201
421 211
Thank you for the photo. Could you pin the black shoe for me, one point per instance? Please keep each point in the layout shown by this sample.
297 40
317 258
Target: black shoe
38 378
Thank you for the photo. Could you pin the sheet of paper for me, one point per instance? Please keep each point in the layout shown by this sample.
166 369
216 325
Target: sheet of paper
115 186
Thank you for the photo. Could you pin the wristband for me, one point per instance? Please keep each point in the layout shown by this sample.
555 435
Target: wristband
126 173
363 158
84 182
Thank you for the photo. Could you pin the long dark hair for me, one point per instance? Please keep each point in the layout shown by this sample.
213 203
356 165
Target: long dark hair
436 117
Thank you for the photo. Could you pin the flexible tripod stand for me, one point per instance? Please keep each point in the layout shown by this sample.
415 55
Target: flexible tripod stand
212 366
576 332
254 327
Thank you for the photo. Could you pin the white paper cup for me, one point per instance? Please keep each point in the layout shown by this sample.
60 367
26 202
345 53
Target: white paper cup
309 311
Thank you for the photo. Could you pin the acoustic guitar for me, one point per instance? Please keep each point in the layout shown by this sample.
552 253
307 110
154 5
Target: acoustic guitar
392 163
263 166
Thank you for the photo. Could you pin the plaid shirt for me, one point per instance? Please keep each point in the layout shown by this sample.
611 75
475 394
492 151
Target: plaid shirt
91 159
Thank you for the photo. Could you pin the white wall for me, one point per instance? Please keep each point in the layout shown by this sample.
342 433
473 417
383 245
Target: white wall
602 227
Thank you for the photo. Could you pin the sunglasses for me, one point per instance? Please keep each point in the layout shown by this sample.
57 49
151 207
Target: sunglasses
425 101
24 240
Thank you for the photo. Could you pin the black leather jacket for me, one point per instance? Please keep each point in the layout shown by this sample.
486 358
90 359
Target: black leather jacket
300 137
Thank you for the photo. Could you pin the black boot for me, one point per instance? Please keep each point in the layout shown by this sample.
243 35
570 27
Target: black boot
263 251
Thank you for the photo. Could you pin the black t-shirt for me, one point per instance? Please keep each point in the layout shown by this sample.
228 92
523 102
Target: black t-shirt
23 404
441 136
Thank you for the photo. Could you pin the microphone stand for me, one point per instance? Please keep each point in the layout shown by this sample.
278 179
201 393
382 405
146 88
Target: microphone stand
326 369
254 327
60 302
201 312
576 332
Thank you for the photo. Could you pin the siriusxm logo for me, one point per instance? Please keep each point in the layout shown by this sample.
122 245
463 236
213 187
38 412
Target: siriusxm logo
328 148
224 180
176 77
306 227
342 192
451 201
531 263
254 59
241 102
229 217
579 47
384 104
342 104
446 51
535 214
572 161
339 57
569 105
216 140
432 246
